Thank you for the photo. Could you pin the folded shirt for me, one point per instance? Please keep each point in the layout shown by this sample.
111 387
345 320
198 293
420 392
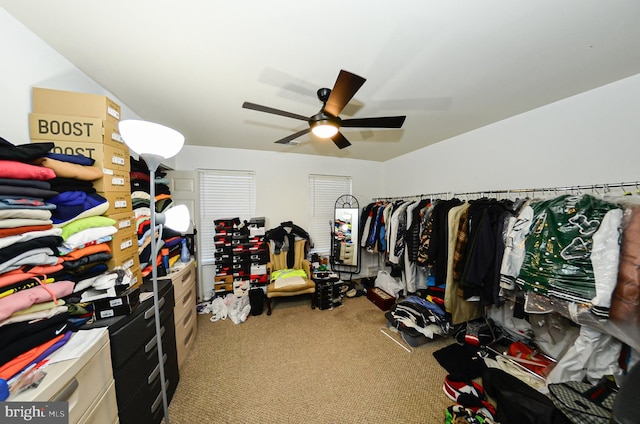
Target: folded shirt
8 241
25 213
17 190
86 236
25 171
77 159
70 205
23 152
24 222
71 170
8 201
24 299
45 185
84 223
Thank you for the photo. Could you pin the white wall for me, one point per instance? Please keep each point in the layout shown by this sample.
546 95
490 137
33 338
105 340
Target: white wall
590 138
282 188
29 62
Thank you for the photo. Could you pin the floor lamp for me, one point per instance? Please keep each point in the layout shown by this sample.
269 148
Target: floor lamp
155 143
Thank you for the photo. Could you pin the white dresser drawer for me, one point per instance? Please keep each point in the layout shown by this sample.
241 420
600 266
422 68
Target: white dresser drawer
183 279
105 410
186 332
185 303
81 382
87 385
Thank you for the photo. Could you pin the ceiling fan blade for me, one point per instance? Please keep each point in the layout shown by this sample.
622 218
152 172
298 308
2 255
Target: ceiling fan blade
267 109
381 122
288 138
340 140
343 91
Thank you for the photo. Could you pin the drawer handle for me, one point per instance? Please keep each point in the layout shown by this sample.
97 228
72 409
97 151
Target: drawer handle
151 312
158 401
188 299
156 370
153 341
187 339
186 276
186 322
66 393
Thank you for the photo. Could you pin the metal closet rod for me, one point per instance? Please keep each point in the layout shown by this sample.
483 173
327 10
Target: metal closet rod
414 197
578 188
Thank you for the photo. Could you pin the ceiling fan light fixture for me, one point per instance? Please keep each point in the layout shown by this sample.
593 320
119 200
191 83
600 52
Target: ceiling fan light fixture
324 129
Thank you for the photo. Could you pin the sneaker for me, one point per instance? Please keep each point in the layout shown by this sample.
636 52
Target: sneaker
455 385
458 414
351 291
477 405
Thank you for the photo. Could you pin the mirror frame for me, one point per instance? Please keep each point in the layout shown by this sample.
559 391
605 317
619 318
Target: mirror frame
346 226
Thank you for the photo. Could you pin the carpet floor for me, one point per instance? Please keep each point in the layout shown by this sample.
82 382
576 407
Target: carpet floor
309 366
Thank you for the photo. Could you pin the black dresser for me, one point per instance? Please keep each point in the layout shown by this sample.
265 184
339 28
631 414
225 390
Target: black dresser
134 357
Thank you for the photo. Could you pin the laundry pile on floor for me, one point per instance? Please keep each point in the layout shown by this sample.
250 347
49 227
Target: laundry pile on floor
487 387
236 308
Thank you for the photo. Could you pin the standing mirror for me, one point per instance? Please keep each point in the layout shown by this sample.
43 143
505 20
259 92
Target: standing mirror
345 249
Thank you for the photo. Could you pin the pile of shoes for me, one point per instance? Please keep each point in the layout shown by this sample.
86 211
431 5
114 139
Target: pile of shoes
356 289
471 404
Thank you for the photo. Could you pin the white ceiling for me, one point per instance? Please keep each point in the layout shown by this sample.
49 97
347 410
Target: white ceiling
450 65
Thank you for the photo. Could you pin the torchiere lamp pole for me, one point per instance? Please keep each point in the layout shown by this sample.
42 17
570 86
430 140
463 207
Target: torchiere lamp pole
155 143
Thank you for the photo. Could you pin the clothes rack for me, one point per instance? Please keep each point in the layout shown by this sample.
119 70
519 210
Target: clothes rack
444 194
605 188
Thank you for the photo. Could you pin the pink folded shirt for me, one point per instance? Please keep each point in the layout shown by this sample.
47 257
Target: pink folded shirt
25 298
14 169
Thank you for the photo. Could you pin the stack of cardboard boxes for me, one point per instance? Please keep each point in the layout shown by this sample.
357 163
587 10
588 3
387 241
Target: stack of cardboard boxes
87 124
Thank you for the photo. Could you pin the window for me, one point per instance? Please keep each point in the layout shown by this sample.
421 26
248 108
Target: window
324 190
223 194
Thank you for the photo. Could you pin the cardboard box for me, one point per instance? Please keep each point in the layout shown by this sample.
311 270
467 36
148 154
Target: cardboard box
125 221
114 181
111 136
136 277
226 279
223 287
57 102
123 304
130 261
47 127
82 129
124 243
380 298
119 202
106 157
131 296
114 312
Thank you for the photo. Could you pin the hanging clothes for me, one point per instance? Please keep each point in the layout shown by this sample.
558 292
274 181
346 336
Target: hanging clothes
460 309
413 276
395 245
558 248
425 237
439 244
480 275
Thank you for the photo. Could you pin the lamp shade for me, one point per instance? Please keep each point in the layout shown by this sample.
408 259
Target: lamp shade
177 218
148 138
325 129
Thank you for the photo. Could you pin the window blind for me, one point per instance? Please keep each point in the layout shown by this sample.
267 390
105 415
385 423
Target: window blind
324 190
223 194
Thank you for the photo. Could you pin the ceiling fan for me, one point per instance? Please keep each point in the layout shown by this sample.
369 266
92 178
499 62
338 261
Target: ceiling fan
326 123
